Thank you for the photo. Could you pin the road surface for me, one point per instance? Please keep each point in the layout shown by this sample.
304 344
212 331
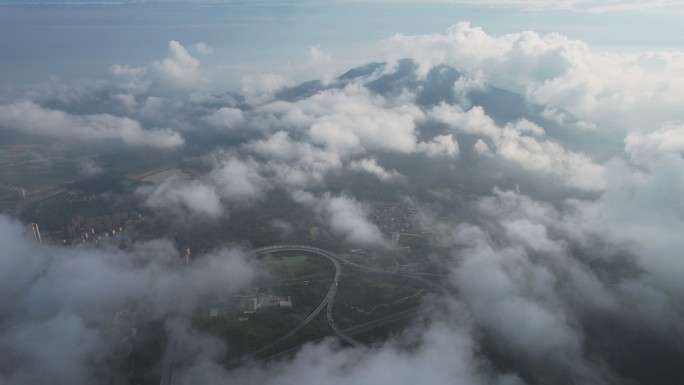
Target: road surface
415 276
169 361
329 299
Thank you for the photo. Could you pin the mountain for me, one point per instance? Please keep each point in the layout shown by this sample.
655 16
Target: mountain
437 87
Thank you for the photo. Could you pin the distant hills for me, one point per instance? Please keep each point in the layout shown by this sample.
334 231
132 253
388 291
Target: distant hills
437 87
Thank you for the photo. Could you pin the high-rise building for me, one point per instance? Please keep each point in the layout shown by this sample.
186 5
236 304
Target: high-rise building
21 192
186 255
36 232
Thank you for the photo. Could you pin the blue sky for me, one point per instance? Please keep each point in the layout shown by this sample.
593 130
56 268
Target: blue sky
84 40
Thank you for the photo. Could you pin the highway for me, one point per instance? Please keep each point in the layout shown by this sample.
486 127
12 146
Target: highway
369 325
415 276
327 303
329 299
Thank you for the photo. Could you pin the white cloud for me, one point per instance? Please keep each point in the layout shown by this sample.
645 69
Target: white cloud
641 210
202 48
350 121
180 68
345 216
443 353
519 279
468 83
371 166
523 143
355 121
199 199
623 91
573 169
294 163
30 118
473 121
667 140
126 100
237 180
482 148
440 145
162 110
525 126
225 118
260 88
516 273
320 64
125 70
231 182
494 283
68 296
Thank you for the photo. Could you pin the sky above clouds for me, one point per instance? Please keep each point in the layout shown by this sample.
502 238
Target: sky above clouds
40 41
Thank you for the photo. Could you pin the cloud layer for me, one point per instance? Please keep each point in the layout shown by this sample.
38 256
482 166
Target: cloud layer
60 304
554 253
32 119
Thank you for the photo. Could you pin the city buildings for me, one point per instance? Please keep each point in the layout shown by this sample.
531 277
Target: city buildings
36 232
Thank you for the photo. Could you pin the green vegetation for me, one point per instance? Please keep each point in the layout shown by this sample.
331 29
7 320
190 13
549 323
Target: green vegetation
361 297
383 332
262 327
364 297
290 265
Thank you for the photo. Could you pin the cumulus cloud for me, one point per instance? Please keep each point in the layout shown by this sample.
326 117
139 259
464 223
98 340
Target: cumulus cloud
522 262
371 166
444 353
261 88
440 145
466 84
126 70
182 197
481 147
350 121
532 280
517 280
667 140
179 70
473 121
639 213
126 100
295 163
515 298
635 216
30 118
621 91
345 216
202 48
356 121
225 118
238 180
573 169
232 182
320 64
67 298
495 284
523 143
